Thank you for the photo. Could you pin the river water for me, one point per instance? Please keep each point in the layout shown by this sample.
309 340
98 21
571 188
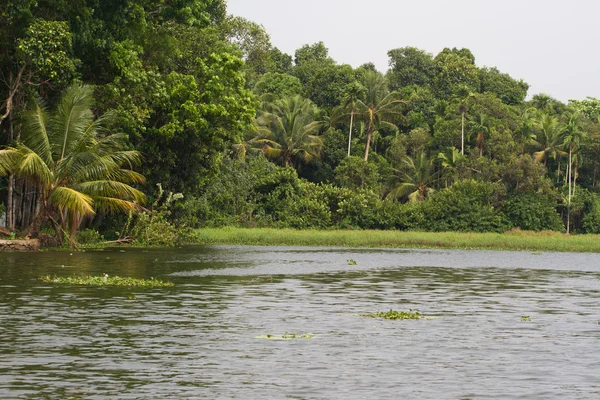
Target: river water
197 340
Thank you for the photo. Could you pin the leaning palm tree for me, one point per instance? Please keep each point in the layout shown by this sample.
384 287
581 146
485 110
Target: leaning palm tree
414 184
78 166
287 131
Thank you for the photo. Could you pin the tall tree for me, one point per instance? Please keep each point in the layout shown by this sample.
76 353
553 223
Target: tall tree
573 134
380 107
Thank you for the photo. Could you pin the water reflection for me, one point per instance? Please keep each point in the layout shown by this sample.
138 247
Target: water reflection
196 340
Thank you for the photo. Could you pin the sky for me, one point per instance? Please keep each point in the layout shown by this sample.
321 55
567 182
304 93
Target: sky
554 45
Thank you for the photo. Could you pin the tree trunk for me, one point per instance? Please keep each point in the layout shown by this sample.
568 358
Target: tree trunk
369 131
462 136
10 225
350 133
569 201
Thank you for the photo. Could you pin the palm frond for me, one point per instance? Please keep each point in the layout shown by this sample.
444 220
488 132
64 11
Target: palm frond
35 133
112 204
71 200
10 158
108 188
31 165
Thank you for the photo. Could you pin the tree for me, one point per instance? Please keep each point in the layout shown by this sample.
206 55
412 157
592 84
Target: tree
77 166
573 134
353 93
380 106
464 94
415 184
280 85
410 66
479 125
454 72
450 160
549 138
288 132
507 89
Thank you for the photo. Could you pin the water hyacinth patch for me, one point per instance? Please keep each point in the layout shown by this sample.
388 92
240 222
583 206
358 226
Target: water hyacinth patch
395 315
106 280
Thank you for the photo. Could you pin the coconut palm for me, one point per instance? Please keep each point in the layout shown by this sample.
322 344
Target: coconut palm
572 134
379 106
464 95
287 131
352 95
549 139
414 184
450 159
78 166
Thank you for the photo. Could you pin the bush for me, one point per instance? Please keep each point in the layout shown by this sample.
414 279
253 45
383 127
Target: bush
153 228
466 206
532 211
591 217
89 236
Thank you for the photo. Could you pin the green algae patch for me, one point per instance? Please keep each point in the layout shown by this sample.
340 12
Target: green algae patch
286 336
396 315
106 280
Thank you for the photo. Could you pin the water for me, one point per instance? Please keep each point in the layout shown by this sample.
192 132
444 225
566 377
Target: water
196 340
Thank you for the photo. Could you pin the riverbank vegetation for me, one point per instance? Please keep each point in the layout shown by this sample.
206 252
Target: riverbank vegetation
139 122
511 240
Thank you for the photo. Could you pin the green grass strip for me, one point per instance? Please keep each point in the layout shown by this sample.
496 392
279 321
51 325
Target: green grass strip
106 280
512 240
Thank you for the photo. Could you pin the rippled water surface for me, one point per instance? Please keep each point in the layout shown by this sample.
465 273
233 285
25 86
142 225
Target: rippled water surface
197 339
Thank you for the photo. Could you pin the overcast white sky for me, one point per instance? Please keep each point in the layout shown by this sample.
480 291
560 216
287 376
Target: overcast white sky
554 45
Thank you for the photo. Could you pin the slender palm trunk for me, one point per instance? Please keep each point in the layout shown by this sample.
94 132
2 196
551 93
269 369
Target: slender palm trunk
462 136
10 224
569 201
350 132
369 131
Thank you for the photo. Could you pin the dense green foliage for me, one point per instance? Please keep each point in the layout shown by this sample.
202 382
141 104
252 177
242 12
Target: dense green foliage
251 136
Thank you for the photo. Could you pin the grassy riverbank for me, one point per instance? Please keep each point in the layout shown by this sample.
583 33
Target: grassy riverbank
514 240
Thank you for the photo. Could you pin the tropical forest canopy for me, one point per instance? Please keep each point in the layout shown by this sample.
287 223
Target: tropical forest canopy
101 101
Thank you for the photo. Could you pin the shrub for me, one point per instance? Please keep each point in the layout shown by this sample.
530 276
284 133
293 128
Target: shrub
531 211
466 206
89 236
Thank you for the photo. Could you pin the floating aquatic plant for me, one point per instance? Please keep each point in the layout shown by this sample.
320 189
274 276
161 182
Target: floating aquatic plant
525 318
286 336
351 262
395 315
106 280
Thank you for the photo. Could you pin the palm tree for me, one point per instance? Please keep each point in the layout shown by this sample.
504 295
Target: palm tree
415 184
549 139
573 134
287 130
480 125
379 106
77 165
352 95
450 159
464 94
